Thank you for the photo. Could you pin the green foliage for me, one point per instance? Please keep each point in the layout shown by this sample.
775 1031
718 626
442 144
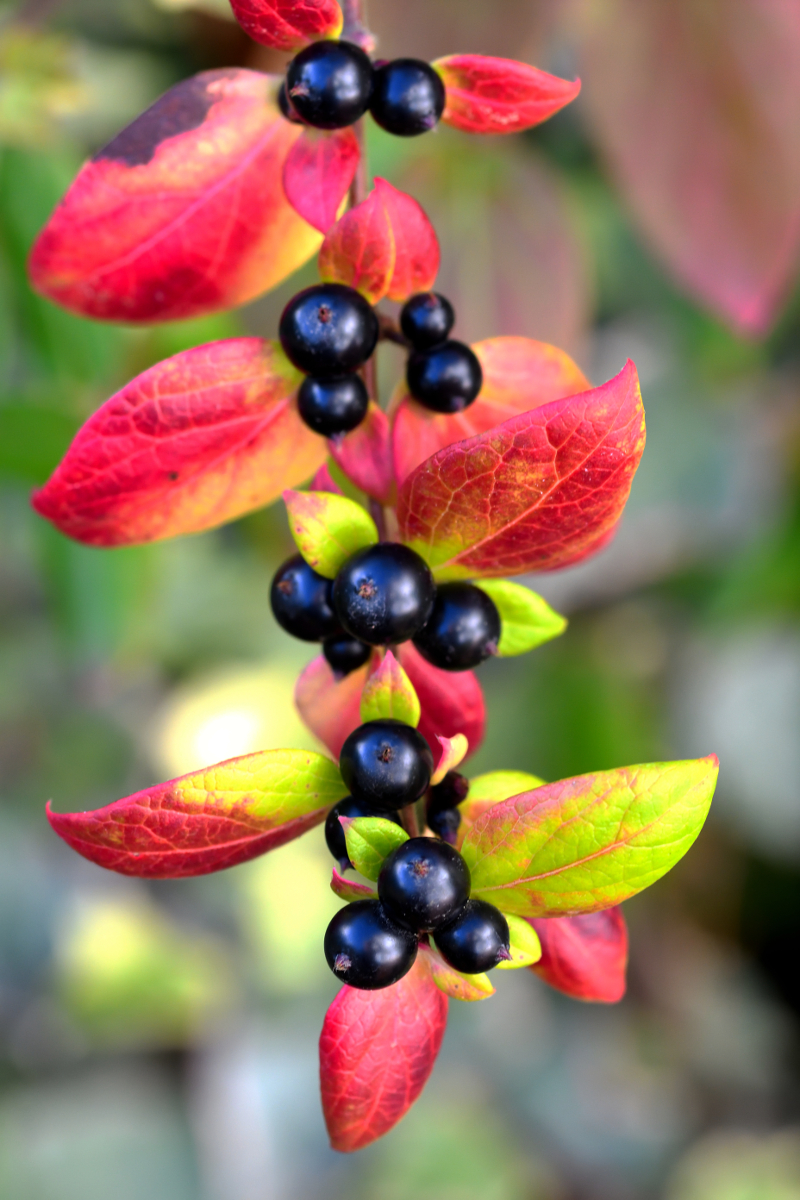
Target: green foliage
369 841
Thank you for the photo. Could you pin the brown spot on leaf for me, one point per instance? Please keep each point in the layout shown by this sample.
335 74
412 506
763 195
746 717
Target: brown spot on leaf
182 108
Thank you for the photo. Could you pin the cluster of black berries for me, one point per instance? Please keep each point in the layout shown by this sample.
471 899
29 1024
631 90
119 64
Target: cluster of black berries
382 596
442 374
332 84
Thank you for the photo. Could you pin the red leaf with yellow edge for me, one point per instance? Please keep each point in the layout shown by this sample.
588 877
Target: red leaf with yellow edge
499 95
518 374
376 1052
586 957
532 494
183 213
385 246
330 707
193 442
317 174
288 24
208 820
365 455
452 702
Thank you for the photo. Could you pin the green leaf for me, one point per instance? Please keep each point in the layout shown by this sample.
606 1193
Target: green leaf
525 945
588 843
390 693
453 983
369 841
328 529
527 621
350 889
499 785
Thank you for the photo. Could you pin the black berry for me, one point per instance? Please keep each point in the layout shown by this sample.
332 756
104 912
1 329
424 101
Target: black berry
463 629
442 813
424 884
386 765
446 378
345 654
445 824
384 594
366 949
329 84
301 601
333 406
408 97
426 320
334 834
477 940
328 330
286 108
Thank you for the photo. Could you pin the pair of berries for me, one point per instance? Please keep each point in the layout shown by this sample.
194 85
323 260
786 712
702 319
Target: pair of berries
330 85
442 374
383 595
423 888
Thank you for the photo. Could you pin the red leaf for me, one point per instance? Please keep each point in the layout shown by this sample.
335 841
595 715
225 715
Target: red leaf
193 442
365 456
183 213
695 107
518 374
452 702
532 494
288 24
376 1052
330 707
209 820
318 172
385 246
323 481
586 956
498 95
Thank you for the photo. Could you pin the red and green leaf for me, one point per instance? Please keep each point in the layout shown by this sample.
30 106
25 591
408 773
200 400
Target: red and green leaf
389 694
588 843
519 374
499 95
288 24
330 707
350 889
532 494
365 455
328 528
193 442
209 820
586 956
318 171
377 1050
183 213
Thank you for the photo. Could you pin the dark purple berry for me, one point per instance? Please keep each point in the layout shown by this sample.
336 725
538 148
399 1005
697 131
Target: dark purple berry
328 330
345 654
427 319
445 824
334 834
442 812
365 949
477 940
333 406
424 884
446 378
386 765
463 629
384 594
301 601
408 97
329 84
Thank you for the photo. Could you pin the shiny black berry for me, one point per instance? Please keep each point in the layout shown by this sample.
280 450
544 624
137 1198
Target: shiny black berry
442 812
286 108
424 884
329 84
426 320
334 834
477 940
333 406
328 330
408 97
366 949
446 824
386 765
345 654
384 594
301 601
463 629
446 378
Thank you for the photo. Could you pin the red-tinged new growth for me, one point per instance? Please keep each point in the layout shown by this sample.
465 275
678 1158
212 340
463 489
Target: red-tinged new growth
183 213
498 95
585 957
288 24
377 1050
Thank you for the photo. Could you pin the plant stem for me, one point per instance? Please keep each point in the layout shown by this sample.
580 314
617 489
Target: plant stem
408 816
355 28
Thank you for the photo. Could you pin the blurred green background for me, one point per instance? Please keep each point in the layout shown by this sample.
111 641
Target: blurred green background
158 1041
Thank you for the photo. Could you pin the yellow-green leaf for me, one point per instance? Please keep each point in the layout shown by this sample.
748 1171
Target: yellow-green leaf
526 620
369 841
390 693
525 945
328 528
454 984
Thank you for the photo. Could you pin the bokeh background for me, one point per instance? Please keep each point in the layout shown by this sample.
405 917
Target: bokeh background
158 1041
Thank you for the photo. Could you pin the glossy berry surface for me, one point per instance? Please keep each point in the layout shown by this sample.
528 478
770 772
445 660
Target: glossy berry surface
345 654
366 949
301 601
442 814
446 378
463 629
286 108
427 319
384 594
329 84
477 940
445 824
424 884
386 765
333 406
328 330
408 97
334 834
